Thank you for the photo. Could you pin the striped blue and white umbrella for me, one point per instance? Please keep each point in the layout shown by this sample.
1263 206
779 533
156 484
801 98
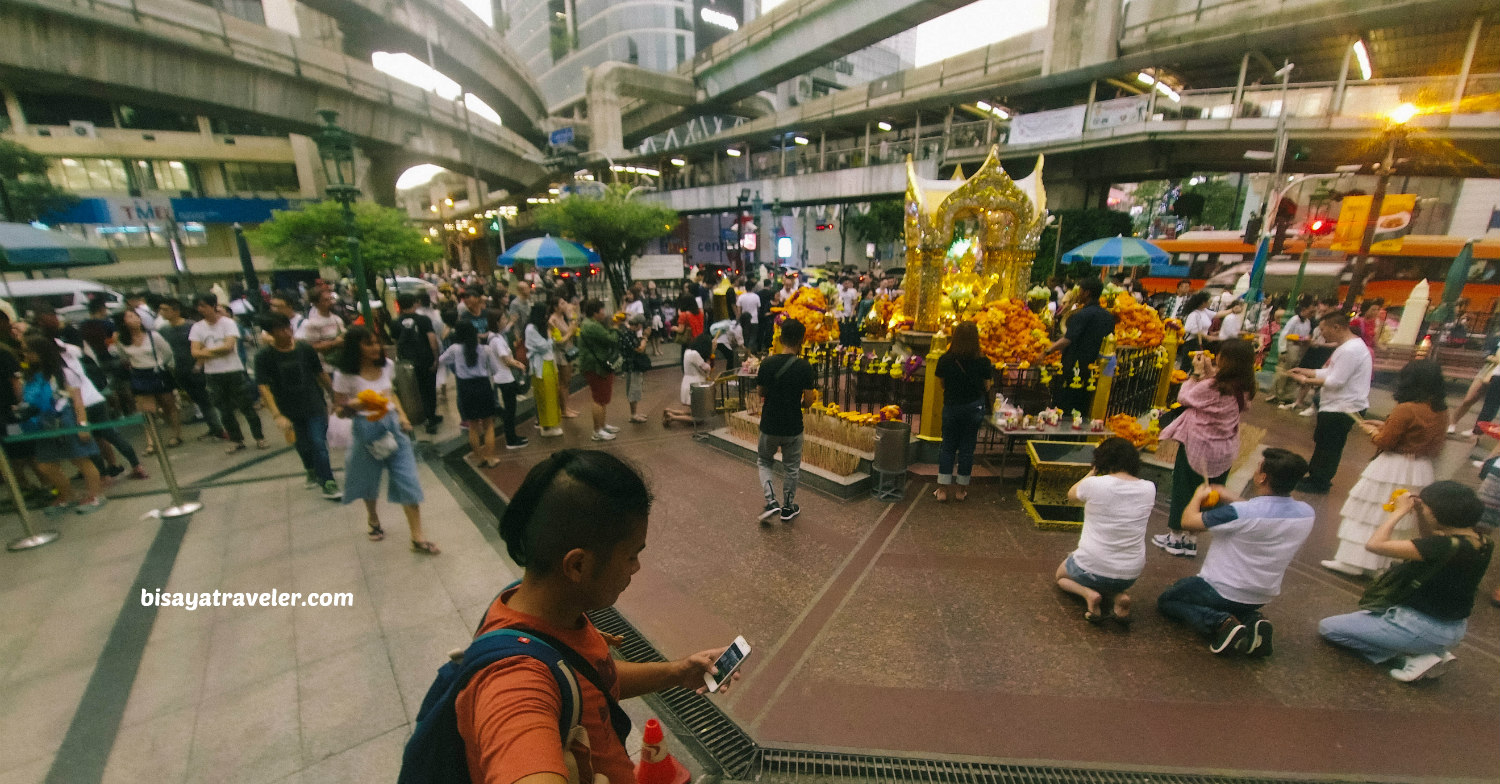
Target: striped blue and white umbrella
548 253
25 247
1118 252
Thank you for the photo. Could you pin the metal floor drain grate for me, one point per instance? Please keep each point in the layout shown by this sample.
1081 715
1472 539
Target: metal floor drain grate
742 759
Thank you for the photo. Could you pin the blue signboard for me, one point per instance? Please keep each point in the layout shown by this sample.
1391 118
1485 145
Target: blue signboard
137 210
561 136
226 210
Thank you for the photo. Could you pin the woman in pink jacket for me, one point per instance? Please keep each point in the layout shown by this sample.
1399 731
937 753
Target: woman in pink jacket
1208 429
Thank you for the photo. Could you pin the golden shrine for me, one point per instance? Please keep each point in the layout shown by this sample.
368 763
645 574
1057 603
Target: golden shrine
1003 221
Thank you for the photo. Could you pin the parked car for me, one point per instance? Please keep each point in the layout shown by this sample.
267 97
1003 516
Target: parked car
68 296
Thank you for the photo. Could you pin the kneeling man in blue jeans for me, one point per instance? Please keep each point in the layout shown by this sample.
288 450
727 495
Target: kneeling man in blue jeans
1253 543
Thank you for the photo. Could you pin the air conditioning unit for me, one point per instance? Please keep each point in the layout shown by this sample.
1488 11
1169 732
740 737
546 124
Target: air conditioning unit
83 129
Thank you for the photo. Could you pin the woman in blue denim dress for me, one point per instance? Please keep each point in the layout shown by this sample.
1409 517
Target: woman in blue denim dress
362 365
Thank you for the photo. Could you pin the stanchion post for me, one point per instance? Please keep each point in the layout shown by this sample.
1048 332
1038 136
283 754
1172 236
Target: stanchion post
179 507
32 537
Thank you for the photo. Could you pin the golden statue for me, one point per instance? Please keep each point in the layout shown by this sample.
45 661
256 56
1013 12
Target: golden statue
1010 217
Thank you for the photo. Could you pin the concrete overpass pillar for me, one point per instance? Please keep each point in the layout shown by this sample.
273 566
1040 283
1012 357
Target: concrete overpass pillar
1083 33
380 178
606 130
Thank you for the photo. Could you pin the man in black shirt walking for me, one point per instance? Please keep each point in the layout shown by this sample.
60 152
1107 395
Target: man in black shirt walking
292 383
786 385
1086 330
417 343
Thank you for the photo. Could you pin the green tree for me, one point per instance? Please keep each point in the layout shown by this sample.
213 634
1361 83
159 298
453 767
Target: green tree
25 192
884 224
617 227
314 236
1078 227
1219 198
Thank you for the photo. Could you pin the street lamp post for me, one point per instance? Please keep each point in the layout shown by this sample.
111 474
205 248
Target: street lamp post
336 149
1394 131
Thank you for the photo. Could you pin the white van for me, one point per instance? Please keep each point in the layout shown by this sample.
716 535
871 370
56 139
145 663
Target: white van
68 296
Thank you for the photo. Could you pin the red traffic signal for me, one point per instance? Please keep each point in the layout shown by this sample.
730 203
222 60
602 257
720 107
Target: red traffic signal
1318 227
823 226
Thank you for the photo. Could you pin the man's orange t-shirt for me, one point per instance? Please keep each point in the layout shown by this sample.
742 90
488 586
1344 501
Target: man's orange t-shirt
508 714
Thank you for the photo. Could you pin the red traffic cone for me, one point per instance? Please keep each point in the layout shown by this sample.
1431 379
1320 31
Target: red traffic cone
656 765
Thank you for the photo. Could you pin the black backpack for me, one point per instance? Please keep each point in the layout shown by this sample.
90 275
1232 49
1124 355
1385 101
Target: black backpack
435 752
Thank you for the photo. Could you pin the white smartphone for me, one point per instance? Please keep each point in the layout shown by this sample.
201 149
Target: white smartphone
727 664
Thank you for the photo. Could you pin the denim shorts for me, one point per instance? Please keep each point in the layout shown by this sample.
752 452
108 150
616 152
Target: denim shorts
1093 581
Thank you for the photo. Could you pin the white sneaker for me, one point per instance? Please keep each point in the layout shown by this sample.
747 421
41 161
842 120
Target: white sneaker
551 432
1307 412
1335 565
611 429
604 435
1164 540
1426 665
1287 406
1452 429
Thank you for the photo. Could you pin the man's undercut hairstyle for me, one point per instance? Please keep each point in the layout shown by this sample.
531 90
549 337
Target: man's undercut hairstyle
1283 469
1337 319
792 332
575 499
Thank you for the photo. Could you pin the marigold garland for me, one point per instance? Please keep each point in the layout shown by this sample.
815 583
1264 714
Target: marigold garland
1136 325
1010 334
809 306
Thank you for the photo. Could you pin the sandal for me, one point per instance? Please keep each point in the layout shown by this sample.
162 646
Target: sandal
174 442
638 419
427 548
376 533
491 463
262 444
240 447
941 494
150 450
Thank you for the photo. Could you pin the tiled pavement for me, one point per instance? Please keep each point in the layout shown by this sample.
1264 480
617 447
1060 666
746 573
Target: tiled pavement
908 627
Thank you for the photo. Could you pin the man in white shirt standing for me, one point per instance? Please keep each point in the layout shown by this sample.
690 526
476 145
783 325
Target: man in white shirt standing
1345 384
748 304
213 343
136 301
844 308
322 329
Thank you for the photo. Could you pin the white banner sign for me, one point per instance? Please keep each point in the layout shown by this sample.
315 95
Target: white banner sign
1050 126
1118 112
654 266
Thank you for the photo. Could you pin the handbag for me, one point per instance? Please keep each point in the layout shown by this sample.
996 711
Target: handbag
383 447
1399 581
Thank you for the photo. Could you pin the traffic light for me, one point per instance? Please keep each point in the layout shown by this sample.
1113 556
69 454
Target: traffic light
1318 227
822 226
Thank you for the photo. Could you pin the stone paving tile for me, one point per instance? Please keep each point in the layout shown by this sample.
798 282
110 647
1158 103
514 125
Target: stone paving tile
156 750
249 735
347 699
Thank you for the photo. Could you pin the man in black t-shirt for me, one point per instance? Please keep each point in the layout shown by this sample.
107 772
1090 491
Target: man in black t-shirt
417 343
786 384
1084 336
292 382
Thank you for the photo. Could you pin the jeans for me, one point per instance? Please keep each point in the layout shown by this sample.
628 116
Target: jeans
426 378
1284 387
1185 482
312 445
1399 631
1329 437
791 459
1491 404
508 411
99 412
1194 602
960 432
227 390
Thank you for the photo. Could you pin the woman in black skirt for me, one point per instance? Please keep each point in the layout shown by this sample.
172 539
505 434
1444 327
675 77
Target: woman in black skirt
474 370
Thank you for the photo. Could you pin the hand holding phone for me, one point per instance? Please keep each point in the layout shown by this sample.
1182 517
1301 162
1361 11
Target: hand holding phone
729 661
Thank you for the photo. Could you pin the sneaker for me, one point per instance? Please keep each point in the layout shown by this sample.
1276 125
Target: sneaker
311 482
1164 540
1452 429
331 490
519 443
1335 565
772 509
56 509
789 512
90 505
604 435
1230 636
138 473
1186 546
1272 399
1287 406
1426 665
1307 412
611 428
1260 639
551 432
114 471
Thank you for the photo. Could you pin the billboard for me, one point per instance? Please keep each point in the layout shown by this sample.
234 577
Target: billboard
1396 214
